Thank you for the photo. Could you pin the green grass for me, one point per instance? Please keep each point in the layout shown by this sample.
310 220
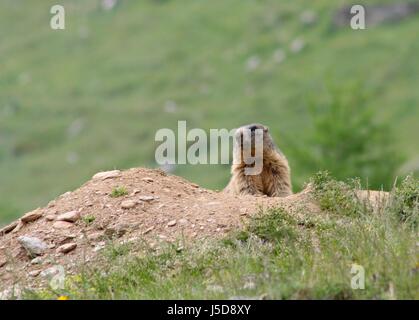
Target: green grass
336 197
91 97
119 192
276 256
405 201
88 219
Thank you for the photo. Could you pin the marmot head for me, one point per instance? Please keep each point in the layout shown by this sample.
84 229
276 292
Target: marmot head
246 135
249 132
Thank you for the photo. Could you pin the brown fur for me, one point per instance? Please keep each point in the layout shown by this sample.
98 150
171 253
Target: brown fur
275 178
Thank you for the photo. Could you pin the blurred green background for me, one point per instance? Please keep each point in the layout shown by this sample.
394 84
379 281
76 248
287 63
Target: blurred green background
92 96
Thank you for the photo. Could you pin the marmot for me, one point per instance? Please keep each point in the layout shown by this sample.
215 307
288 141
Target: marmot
274 180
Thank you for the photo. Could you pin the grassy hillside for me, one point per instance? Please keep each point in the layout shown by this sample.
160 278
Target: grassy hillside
91 97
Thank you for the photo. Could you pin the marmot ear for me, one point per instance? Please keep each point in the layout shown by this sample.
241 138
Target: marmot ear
265 129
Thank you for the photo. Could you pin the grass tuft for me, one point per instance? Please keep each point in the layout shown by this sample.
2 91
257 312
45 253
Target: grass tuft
336 197
405 201
119 192
88 219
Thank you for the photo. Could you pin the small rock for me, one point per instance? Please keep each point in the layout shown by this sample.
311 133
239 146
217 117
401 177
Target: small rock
34 273
18 227
71 216
194 185
128 204
146 198
52 271
107 175
50 217
33 246
183 221
134 192
52 211
148 230
66 238
66 248
37 260
31 216
171 223
8 228
62 225
99 246
148 179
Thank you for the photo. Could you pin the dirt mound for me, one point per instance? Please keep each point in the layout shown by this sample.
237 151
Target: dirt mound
134 205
